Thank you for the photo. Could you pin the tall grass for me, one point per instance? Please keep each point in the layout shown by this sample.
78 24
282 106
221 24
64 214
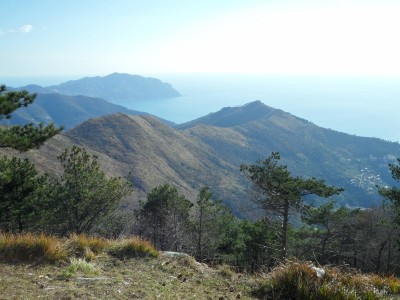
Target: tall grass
29 247
295 280
85 246
133 247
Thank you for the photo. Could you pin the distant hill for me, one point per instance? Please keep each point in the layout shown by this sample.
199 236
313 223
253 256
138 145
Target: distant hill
203 154
232 116
117 87
356 163
32 88
68 111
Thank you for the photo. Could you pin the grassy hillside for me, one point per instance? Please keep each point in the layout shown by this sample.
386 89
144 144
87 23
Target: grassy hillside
203 154
307 149
154 153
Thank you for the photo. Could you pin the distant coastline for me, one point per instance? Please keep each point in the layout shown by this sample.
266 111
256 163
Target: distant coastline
364 106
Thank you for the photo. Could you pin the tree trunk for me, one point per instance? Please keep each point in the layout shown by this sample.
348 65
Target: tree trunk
325 240
284 237
389 257
378 259
20 225
199 237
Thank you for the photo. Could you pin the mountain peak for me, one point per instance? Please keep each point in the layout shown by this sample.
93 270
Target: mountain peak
117 75
233 116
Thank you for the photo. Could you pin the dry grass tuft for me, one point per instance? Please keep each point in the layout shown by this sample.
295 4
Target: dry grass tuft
85 246
30 247
294 280
133 247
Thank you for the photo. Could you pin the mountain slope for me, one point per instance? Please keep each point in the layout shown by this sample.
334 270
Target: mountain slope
203 154
307 149
117 87
68 111
155 152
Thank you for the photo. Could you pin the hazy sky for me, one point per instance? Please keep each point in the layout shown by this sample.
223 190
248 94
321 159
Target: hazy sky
85 37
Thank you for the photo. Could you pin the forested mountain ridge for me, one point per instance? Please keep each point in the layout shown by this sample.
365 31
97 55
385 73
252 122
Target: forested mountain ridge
203 154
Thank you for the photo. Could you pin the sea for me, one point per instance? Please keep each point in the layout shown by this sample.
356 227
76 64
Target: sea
364 106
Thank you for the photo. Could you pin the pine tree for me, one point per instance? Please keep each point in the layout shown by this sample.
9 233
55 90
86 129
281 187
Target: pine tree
83 194
22 199
281 193
24 137
209 219
165 216
19 181
393 193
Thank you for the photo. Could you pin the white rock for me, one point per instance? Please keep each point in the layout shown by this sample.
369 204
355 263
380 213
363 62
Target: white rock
319 272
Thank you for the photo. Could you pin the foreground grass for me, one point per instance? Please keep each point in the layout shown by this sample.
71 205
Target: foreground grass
295 280
109 277
29 247
83 267
42 248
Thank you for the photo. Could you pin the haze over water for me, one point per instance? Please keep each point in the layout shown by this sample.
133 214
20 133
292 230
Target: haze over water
363 106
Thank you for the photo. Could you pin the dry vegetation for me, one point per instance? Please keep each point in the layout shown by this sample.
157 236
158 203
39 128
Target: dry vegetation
294 280
82 267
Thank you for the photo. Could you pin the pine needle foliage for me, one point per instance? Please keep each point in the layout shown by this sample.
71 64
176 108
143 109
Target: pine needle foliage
24 137
84 194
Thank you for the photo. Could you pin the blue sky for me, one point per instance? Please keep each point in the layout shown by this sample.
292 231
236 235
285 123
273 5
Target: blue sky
48 38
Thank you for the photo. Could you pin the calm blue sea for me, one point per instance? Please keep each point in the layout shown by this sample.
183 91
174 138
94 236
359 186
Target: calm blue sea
364 106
